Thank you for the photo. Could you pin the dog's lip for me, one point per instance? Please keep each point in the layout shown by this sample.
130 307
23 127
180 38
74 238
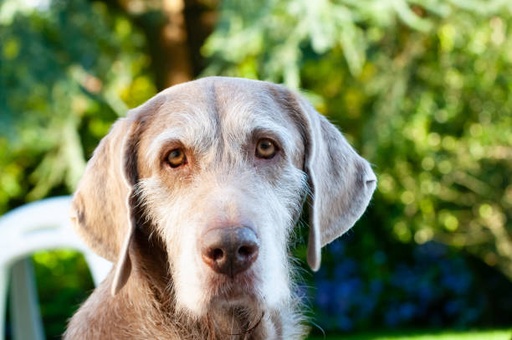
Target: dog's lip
231 288
237 296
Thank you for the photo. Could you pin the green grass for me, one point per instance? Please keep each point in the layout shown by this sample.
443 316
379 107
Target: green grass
424 335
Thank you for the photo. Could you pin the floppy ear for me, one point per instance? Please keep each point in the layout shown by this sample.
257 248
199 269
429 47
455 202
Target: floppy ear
102 209
341 182
101 205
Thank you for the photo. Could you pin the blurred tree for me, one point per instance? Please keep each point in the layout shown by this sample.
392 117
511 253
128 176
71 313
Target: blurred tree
174 30
423 86
69 69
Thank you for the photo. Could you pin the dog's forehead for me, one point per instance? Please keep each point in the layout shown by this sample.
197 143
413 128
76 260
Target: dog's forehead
228 101
198 112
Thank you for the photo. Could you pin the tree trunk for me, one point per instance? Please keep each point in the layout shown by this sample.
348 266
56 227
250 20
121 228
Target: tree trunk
175 30
176 65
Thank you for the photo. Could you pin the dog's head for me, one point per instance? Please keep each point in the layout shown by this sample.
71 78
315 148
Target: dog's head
220 168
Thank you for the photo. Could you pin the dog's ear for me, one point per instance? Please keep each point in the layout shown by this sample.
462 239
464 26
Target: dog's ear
341 182
102 209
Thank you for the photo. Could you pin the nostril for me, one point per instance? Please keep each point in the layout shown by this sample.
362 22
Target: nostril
246 254
245 251
214 257
216 254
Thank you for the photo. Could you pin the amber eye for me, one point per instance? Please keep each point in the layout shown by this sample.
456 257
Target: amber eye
266 148
176 158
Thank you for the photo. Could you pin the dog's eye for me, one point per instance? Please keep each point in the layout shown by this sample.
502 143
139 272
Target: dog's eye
176 158
266 148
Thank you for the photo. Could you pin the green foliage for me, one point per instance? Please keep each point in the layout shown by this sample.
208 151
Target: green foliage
421 88
64 282
271 39
66 72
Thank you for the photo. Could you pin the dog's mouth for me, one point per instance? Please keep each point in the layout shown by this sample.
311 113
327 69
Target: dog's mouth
238 299
233 290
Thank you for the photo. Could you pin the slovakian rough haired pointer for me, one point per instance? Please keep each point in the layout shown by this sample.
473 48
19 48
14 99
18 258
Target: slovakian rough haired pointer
195 195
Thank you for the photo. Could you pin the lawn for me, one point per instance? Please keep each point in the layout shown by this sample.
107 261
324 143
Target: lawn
424 335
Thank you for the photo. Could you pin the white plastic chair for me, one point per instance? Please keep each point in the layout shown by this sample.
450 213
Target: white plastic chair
42 225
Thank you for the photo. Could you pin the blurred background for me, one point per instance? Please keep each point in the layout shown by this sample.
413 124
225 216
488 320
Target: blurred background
422 89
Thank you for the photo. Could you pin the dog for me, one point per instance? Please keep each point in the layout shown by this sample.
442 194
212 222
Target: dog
195 195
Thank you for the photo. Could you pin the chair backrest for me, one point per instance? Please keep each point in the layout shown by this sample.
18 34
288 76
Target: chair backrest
41 225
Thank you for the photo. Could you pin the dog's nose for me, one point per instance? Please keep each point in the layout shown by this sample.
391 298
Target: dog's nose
230 251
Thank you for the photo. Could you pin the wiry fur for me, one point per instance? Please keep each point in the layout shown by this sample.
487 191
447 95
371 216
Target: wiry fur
148 218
